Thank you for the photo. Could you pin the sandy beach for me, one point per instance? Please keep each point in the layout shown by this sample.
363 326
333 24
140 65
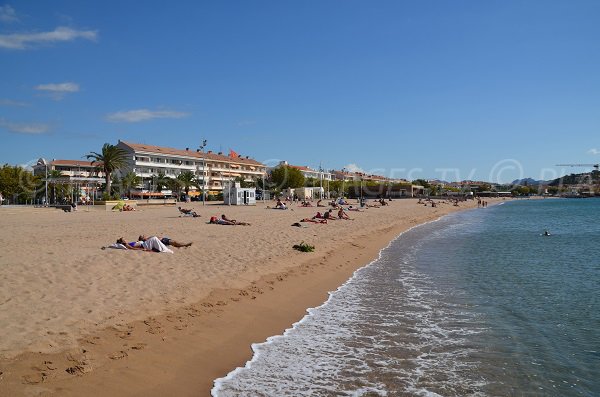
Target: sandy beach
80 320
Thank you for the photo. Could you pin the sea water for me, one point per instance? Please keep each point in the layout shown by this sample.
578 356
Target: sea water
479 303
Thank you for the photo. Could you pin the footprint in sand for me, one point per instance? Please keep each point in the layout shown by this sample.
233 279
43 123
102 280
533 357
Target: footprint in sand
139 346
118 355
34 379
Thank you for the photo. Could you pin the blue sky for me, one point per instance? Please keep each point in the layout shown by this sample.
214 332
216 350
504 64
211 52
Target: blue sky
489 90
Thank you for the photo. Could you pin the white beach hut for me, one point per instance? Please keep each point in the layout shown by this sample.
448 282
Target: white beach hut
233 194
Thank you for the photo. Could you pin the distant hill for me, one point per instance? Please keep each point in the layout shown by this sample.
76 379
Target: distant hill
577 179
529 182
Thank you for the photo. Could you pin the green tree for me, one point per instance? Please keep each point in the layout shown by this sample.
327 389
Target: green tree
187 179
110 159
244 183
129 181
174 185
287 177
421 182
161 181
17 183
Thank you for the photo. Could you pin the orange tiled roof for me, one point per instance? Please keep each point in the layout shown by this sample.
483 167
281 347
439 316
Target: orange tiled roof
302 168
190 153
74 163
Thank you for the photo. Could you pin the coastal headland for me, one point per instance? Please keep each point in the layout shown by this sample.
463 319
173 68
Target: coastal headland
81 320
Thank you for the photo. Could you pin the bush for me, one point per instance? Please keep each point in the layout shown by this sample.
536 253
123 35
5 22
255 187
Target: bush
303 247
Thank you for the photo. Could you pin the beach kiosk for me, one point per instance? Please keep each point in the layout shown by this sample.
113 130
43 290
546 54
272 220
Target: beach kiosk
233 194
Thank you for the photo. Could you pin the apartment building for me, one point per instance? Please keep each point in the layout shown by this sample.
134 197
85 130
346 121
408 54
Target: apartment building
69 169
212 169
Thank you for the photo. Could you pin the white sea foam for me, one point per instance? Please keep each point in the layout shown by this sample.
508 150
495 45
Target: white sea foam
362 341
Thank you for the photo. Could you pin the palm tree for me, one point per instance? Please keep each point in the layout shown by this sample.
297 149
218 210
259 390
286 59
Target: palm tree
187 179
129 181
174 185
110 159
161 181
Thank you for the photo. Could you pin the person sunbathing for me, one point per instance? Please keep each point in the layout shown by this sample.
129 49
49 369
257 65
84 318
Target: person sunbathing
127 207
219 221
313 220
185 211
166 241
306 204
279 205
328 215
319 204
354 209
150 244
134 245
233 221
342 214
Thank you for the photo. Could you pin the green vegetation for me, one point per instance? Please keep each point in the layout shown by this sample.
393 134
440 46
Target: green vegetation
285 177
129 181
187 179
304 247
17 184
111 158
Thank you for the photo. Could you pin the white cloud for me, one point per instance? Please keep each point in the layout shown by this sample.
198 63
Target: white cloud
10 102
353 168
593 151
8 14
135 116
62 87
24 128
58 91
20 41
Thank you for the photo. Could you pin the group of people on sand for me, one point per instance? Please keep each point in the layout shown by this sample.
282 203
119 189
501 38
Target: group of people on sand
328 216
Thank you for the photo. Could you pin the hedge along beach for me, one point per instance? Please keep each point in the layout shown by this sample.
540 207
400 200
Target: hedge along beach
78 319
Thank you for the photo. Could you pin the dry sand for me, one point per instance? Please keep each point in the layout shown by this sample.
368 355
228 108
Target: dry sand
78 320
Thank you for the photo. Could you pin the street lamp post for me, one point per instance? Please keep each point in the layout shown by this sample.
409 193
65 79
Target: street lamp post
46 179
203 170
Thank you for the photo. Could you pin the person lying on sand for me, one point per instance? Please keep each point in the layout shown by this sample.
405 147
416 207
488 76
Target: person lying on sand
233 221
165 240
319 204
354 209
306 204
127 207
313 220
150 244
279 205
217 221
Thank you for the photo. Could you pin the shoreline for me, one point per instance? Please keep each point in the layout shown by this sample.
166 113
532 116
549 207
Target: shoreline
183 351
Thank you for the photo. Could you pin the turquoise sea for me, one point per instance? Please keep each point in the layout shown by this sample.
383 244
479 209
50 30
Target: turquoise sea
478 303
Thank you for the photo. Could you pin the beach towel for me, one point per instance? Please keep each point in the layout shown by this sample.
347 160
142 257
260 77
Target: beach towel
154 244
116 246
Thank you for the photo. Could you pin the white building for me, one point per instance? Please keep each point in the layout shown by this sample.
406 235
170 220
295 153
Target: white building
211 169
233 194
309 172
